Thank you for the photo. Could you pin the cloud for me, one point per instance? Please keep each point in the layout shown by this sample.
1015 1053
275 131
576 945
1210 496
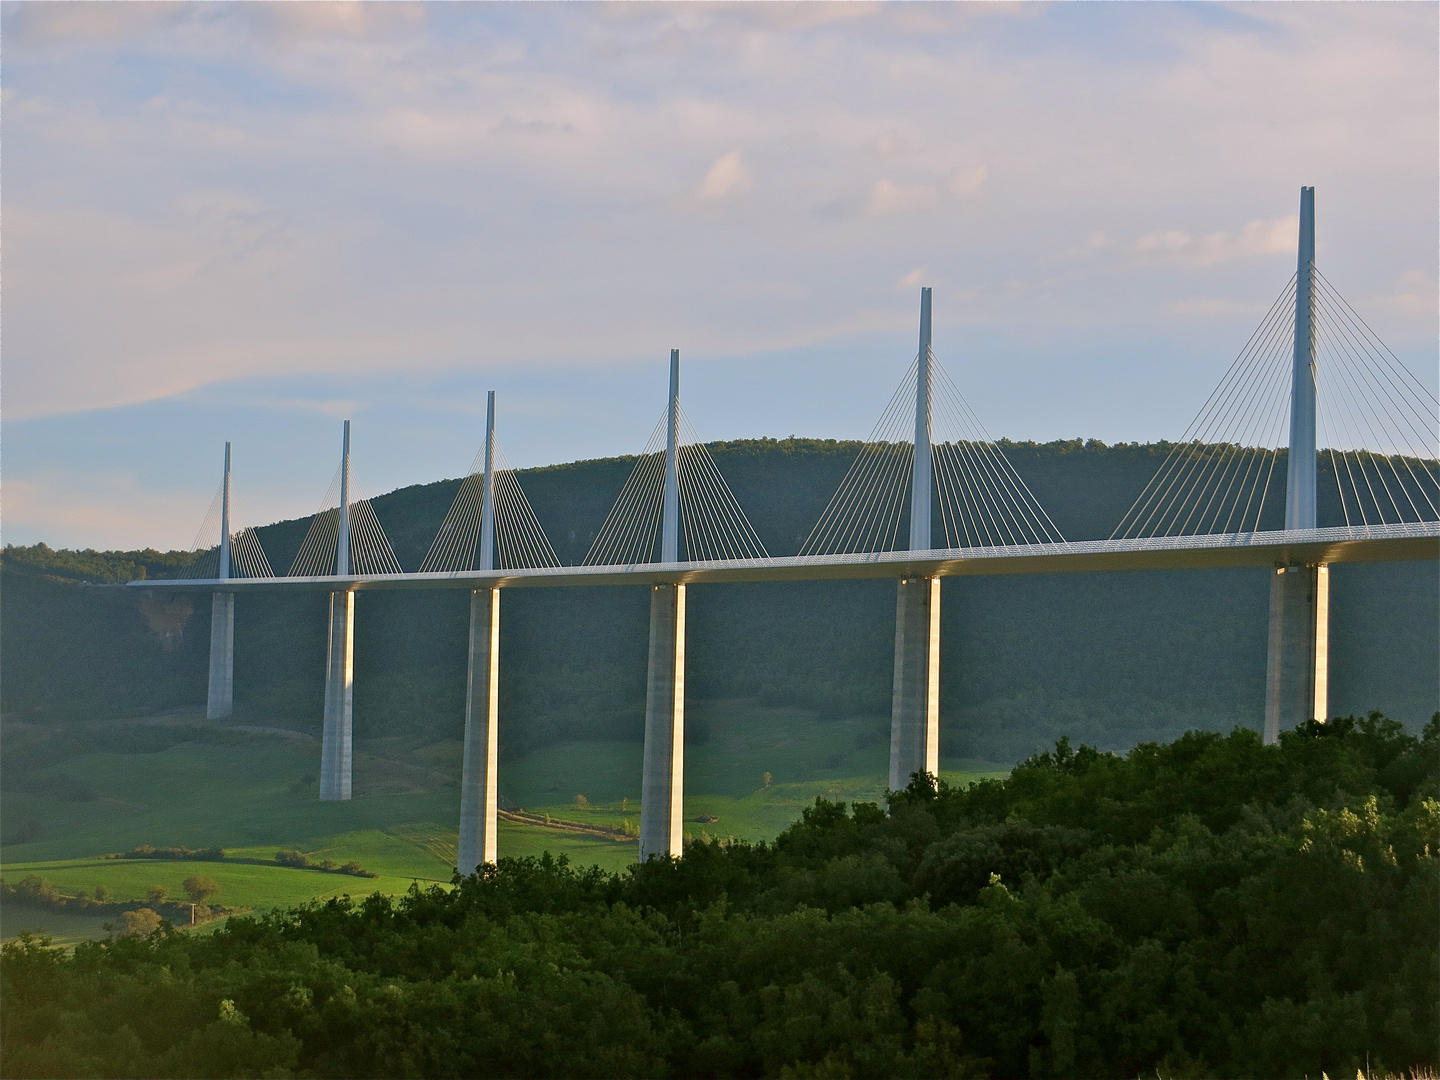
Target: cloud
197 195
1415 294
728 178
969 181
1277 237
71 508
1209 306
914 279
888 197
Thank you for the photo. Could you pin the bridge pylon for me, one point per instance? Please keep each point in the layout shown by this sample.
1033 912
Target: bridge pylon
220 693
915 700
479 791
337 732
1297 660
662 785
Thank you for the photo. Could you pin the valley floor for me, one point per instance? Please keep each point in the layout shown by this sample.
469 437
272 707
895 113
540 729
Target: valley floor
753 774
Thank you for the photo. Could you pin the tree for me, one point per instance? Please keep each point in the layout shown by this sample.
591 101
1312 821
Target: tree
200 887
102 894
155 894
140 923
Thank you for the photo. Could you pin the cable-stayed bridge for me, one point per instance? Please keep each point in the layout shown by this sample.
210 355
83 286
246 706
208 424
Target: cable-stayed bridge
1314 404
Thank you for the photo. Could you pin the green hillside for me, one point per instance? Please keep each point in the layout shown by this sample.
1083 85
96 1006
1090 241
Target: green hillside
788 686
1113 659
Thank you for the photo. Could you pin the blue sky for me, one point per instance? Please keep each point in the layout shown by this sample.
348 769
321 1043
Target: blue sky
250 221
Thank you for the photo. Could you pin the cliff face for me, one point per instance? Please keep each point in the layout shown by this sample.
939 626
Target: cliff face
1111 659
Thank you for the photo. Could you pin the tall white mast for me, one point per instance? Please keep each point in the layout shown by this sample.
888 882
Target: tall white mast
225 519
920 486
342 547
670 520
1300 472
487 497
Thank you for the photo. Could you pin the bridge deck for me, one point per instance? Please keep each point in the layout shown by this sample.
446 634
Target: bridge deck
1372 543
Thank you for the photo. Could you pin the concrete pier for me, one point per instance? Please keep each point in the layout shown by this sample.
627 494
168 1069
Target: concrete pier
220 699
662 792
336 738
1298 660
915 699
915 702
478 790
1297 670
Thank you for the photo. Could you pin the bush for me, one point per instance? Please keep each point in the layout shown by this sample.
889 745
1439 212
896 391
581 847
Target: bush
145 851
140 923
35 887
1207 907
200 887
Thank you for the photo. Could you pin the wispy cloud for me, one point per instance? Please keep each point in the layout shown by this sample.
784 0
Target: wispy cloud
728 178
1276 237
201 195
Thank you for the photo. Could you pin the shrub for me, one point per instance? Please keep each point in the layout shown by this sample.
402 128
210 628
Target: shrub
35 887
200 887
140 923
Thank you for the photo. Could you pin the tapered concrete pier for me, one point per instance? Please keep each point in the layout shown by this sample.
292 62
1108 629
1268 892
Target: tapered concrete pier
220 697
915 700
336 740
662 795
336 736
479 793
1298 658
1297 674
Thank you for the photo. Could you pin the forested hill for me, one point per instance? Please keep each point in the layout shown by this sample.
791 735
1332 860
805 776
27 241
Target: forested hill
1113 659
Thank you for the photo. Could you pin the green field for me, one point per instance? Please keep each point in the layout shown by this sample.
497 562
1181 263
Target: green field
257 797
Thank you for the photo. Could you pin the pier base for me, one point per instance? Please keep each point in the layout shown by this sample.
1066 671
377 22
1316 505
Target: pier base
662 792
220 700
335 739
1297 670
915 702
478 791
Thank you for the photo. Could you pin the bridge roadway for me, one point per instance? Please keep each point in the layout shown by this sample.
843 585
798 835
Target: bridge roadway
1346 544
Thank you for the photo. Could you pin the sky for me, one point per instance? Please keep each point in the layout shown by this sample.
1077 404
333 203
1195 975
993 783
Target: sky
248 222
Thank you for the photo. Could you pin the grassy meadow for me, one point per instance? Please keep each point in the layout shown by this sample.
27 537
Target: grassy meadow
260 794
